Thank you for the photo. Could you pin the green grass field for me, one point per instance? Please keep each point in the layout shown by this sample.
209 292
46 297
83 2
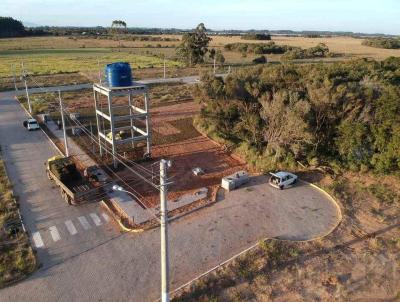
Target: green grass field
54 61
16 256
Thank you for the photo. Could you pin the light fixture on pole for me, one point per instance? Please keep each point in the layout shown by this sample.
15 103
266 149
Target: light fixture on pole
164 165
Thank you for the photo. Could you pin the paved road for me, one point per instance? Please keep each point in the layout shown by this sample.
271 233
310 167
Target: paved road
183 80
55 226
105 265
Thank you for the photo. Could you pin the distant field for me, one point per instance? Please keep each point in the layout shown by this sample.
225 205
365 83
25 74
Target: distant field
350 47
53 61
52 55
69 42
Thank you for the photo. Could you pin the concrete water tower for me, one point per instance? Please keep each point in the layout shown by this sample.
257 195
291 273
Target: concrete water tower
126 117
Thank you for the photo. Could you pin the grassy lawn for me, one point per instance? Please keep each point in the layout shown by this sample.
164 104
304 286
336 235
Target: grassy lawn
16 255
54 61
51 55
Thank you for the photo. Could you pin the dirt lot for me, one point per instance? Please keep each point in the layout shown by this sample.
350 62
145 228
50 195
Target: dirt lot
175 138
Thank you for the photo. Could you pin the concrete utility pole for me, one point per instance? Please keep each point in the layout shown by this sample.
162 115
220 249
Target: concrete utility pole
98 65
15 82
63 124
26 88
164 164
214 65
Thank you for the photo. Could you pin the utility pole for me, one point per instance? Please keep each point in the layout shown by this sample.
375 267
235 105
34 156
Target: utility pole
98 65
15 82
214 63
26 88
164 164
63 124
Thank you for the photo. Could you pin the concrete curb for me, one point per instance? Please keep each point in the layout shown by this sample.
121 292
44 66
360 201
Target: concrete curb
48 137
222 264
121 225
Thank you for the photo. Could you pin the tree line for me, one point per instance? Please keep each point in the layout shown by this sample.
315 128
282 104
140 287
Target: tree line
341 114
388 43
253 36
290 52
10 27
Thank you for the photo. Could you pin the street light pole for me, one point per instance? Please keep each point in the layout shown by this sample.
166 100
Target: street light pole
164 165
26 88
164 231
15 81
63 124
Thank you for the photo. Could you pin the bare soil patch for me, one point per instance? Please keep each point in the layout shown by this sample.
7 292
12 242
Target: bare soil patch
190 153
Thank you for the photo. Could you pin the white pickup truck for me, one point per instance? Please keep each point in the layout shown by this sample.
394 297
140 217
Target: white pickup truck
31 124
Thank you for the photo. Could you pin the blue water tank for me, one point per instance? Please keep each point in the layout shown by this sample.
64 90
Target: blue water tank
118 74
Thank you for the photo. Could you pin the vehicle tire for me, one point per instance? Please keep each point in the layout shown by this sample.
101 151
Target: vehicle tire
295 181
281 187
68 199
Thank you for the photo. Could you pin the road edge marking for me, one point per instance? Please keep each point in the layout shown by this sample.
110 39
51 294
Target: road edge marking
96 219
55 234
71 227
84 223
37 239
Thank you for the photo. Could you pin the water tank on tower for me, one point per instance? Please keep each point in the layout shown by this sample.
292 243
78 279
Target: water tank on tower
118 74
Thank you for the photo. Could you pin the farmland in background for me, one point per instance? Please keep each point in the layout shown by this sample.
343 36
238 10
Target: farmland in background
50 55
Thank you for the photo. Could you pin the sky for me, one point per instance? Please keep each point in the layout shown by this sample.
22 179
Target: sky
367 16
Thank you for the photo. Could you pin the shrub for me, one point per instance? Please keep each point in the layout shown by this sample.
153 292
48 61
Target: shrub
260 60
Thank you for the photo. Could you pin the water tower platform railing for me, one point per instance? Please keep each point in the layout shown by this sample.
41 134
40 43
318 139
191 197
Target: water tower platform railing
132 113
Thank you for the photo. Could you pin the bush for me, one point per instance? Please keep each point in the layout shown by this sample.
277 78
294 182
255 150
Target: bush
277 115
260 60
388 43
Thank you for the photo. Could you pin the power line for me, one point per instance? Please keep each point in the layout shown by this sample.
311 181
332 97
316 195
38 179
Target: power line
134 193
91 136
143 169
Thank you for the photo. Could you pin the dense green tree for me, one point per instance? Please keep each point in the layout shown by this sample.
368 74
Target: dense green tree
348 112
10 27
194 46
388 43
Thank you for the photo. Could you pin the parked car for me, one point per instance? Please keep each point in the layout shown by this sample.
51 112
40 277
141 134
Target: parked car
31 124
282 179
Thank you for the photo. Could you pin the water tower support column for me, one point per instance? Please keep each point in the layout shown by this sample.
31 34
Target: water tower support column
131 113
147 109
96 103
112 126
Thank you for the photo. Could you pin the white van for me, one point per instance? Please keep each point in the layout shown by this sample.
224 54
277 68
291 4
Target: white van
31 124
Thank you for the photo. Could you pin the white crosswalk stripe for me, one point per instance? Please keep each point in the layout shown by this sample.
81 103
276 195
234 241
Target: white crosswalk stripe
106 217
96 219
71 228
54 233
85 224
37 239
